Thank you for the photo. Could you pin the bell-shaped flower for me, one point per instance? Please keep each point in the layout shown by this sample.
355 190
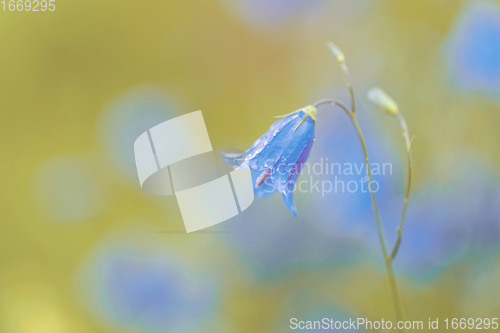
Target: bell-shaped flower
277 157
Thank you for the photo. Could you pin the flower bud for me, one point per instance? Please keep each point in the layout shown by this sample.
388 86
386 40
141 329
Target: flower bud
337 52
380 98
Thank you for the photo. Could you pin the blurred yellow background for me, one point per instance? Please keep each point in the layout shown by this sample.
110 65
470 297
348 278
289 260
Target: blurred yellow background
83 249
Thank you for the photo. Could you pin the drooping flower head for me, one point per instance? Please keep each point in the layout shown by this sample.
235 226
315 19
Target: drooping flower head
277 157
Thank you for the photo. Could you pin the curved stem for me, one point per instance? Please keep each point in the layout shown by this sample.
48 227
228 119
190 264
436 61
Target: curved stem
337 53
408 142
372 192
334 102
387 259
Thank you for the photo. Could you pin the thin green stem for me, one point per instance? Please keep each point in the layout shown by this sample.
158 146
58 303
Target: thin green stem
337 53
390 274
372 192
387 260
334 102
408 142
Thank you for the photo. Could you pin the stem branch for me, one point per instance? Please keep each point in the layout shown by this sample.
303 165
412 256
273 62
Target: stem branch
387 260
337 53
408 142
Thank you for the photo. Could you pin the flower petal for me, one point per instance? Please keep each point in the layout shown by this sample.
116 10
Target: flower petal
269 137
288 188
298 145
265 152
288 199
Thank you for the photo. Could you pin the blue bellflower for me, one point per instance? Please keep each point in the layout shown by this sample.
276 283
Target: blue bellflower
277 157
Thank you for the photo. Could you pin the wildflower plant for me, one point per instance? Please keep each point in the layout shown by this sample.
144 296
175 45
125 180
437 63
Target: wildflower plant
276 158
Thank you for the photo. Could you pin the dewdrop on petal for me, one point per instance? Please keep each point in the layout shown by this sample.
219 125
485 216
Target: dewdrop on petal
380 98
337 52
